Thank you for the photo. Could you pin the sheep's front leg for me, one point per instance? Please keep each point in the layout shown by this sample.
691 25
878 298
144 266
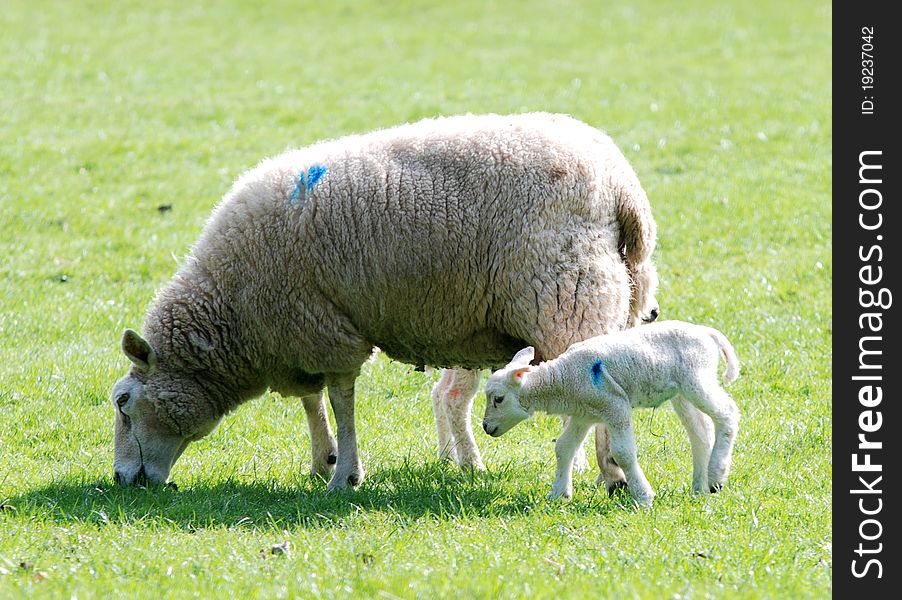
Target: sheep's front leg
568 442
349 470
458 404
322 443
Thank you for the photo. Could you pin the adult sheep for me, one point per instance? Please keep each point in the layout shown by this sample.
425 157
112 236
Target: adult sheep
451 242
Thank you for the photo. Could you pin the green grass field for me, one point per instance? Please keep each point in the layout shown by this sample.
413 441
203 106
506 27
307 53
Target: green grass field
109 110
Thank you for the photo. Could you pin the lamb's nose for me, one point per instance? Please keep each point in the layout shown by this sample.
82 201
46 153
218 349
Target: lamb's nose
117 477
654 314
485 426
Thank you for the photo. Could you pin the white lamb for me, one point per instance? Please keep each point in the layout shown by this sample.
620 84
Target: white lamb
603 378
450 242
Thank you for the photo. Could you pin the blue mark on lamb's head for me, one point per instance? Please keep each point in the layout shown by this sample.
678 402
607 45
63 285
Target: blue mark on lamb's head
306 181
597 369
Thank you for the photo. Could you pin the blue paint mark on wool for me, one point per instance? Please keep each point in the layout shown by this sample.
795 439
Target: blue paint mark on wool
597 369
296 192
305 182
315 173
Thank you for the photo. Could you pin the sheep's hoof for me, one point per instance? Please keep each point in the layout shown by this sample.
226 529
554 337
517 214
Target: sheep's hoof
615 487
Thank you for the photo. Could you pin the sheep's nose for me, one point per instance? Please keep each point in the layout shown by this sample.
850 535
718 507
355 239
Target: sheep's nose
117 478
485 426
141 477
654 314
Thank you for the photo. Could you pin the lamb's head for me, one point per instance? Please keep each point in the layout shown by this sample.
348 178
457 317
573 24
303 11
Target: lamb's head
643 300
502 395
159 411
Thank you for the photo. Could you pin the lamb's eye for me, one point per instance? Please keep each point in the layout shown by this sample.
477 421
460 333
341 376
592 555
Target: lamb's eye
122 400
497 400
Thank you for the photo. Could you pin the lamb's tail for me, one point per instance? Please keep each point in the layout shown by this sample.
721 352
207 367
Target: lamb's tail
728 353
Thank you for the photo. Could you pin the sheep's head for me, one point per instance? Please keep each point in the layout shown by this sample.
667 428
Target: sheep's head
502 395
158 413
643 301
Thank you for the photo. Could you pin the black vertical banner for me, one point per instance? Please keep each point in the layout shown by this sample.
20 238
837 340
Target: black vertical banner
867 424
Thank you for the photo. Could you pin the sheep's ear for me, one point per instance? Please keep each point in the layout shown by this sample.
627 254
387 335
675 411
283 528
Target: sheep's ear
139 351
524 356
516 376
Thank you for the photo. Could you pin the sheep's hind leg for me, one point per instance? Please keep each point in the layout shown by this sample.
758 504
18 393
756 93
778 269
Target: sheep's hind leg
349 470
323 449
701 438
568 442
458 405
446 449
610 474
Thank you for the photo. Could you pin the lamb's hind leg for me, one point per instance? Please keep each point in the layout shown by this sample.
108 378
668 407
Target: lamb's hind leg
349 469
446 449
715 402
458 404
701 438
323 449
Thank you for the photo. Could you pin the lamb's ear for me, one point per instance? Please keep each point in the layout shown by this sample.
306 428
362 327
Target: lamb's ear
139 351
516 376
524 356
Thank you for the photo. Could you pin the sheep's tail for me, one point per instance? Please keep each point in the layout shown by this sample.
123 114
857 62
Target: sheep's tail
728 354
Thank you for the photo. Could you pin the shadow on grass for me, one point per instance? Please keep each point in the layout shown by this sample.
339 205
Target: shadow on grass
402 494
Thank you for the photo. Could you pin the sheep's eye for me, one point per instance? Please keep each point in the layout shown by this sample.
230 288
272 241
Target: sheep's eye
497 400
121 401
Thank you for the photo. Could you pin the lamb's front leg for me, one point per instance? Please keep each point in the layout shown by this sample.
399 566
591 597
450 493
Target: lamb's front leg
580 459
322 443
458 404
610 473
568 442
349 470
446 449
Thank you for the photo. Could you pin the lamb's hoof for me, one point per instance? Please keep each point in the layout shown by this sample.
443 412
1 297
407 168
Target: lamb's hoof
616 487
472 465
340 483
324 468
561 495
